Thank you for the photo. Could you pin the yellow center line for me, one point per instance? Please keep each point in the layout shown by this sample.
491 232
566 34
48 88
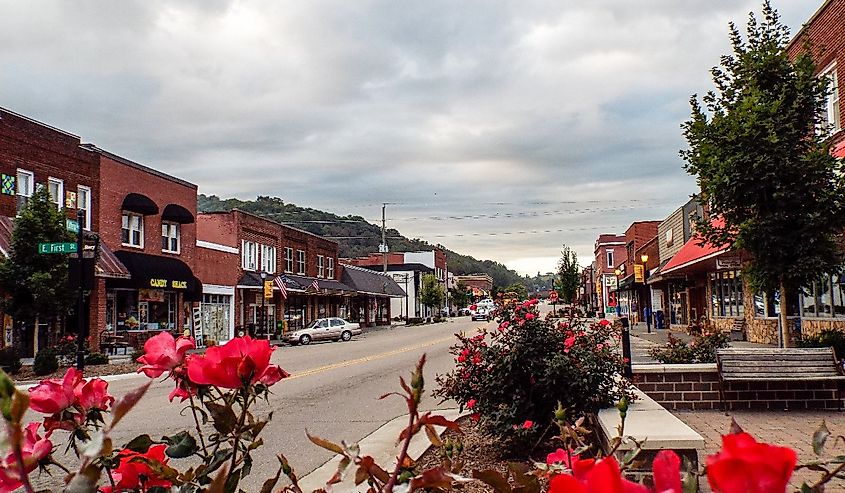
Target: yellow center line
365 359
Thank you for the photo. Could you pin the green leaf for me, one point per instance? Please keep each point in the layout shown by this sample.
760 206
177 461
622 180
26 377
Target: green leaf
224 418
181 445
140 444
819 438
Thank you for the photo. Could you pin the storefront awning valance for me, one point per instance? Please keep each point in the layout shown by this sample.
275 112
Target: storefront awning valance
839 150
136 202
692 253
177 214
158 272
370 282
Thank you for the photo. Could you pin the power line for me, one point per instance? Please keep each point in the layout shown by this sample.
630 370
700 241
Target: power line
503 233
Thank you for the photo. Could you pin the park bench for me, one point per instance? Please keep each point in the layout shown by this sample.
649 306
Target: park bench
777 365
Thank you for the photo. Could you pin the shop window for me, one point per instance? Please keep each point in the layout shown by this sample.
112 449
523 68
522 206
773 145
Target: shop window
330 273
268 259
83 203
25 187
170 237
321 268
288 259
824 298
56 188
132 230
726 294
831 117
300 262
249 255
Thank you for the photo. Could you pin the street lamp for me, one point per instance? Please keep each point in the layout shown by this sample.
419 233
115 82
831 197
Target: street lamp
626 335
644 258
263 317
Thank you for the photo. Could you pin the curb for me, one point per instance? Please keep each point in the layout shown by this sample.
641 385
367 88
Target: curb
107 378
381 445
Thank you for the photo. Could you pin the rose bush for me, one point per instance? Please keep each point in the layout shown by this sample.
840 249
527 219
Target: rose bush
520 371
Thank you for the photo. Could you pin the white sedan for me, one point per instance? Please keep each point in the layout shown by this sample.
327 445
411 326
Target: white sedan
322 329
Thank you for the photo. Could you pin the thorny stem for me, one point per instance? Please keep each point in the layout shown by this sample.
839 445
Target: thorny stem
404 453
241 420
197 423
828 476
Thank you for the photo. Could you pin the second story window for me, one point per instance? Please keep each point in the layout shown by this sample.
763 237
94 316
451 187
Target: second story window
268 259
25 187
56 187
610 263
300 262
132 230
83 203
330 273
831 116
249 255
170 237
321 266
288 259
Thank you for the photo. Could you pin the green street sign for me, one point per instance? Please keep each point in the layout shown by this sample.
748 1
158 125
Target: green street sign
72 225
57 248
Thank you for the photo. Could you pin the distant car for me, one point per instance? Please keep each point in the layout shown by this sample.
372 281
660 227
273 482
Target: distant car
323 329
481 313
464 312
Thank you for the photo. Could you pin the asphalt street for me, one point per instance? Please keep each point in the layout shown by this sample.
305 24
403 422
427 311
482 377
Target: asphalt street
333 392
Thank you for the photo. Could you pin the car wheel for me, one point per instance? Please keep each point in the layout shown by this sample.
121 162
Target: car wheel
345 336
305 339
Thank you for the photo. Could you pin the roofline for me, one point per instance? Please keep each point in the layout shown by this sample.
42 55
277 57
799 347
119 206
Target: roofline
139 166
33 120
251 214
807 23
362 269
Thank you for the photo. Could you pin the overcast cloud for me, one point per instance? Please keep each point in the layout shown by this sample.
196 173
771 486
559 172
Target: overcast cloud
559 119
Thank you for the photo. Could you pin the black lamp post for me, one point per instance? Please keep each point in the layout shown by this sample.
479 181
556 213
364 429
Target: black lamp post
644 258
626 336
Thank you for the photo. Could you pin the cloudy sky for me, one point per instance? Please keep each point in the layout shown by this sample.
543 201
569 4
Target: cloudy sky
498 129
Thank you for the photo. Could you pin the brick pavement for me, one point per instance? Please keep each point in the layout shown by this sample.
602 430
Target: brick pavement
788 428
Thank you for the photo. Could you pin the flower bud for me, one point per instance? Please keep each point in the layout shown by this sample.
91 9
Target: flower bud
623 406
560 413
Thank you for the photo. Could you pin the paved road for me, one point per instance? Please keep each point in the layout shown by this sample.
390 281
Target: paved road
333 391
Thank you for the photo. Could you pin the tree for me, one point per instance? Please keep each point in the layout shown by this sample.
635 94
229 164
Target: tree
764 171
518 289
37 285
459 295
431 293
568 275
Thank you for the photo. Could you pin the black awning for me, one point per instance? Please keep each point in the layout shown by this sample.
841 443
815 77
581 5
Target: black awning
177 214
158 272
135 202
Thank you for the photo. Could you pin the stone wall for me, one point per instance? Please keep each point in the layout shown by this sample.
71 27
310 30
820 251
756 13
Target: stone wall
697 387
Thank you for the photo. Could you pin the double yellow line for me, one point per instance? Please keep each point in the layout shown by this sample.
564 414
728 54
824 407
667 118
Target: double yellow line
366 359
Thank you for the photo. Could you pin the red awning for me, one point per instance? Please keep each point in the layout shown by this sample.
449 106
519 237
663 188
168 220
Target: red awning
692 253
839 150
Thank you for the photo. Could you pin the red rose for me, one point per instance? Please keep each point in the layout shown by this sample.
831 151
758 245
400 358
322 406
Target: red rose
475 417
34 449
529 316
559 456
52 395
528 424
127 476
504 325
604 322
744 465
666 471
471 403
93 394
603 477
163 353
241 361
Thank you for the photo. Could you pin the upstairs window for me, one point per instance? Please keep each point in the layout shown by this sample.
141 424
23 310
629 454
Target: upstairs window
170 237
288 259
56 187
321 266
330 272
249 255
831 115
268 259
610 263
300 262
83 203
132 230
25 187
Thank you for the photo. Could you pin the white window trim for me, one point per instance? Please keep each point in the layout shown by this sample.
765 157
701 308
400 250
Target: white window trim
831 104
330 271
301 263
248 248
268 259
321 266
87 207
31 189
132 245
289 250
178 237
609 258
61 192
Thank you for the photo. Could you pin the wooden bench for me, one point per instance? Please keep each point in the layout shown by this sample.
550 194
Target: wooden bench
777 365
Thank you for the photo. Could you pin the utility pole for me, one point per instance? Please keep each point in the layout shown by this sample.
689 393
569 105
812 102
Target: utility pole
383 246
80 296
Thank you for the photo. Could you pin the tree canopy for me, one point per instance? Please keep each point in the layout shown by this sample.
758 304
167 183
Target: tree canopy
765 172
431 292
568 275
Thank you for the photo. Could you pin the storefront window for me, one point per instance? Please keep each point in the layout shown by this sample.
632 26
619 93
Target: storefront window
726 294
824 298
126 310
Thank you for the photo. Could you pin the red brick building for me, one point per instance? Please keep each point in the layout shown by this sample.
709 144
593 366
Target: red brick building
610 254
632 290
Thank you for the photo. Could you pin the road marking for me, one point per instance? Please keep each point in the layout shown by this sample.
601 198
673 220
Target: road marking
366 359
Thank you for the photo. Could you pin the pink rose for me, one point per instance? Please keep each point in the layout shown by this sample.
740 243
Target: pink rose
528 424
568 343
604 322
163 353
52 395
529 316
241 361
93 394
34 449
471 403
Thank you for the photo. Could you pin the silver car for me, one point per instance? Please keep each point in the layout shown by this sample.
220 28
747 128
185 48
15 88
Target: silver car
322 329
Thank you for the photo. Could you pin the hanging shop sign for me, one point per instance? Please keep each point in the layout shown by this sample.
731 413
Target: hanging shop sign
725 263
639 273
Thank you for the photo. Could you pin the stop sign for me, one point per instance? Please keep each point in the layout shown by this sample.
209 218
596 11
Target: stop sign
553 296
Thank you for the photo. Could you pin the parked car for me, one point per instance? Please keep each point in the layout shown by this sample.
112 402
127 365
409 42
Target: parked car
464 312
481 313
322 329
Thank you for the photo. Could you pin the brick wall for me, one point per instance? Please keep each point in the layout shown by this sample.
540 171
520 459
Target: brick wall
697 387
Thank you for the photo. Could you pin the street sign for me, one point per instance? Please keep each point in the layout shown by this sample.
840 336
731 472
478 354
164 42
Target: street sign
553 296
57 248
72 225
268 290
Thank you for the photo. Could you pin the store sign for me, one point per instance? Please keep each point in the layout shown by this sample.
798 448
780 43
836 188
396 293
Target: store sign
724 263
268 290
656 300
156 295
610 282
639 273
164 283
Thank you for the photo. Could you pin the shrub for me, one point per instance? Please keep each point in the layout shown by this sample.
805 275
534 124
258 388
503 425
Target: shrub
826 338
701 350
10 362
513 377
45 362
96 359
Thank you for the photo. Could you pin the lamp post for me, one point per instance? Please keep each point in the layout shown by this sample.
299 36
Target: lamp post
263 317
644 258
626 335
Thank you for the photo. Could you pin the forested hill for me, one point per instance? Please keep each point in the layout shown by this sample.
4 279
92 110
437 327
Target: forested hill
365 236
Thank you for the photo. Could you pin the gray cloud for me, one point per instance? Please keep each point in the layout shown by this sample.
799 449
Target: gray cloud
446 108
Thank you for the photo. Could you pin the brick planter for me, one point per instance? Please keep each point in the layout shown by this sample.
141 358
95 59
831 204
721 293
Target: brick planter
696 387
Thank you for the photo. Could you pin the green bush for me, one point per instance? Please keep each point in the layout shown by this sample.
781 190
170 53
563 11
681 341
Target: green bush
512 378
96 359
45 362
701 350
10 362
826 338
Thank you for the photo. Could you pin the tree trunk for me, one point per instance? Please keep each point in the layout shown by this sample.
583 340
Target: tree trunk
786 334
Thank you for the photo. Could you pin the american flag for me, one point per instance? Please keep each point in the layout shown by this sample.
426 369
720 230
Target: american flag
281 285
315 285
